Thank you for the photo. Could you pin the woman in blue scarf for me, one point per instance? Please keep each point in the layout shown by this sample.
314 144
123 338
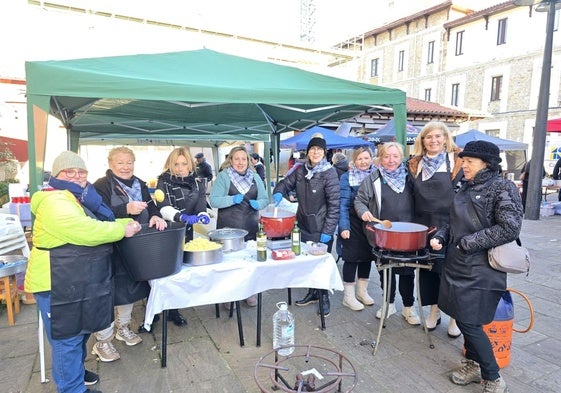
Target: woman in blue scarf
388 194
355 250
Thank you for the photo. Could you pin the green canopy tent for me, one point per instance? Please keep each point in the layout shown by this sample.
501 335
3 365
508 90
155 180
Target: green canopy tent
190 96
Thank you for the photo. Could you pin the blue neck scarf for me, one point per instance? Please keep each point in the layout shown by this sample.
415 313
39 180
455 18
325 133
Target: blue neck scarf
395 179
321 166
356 176
87 196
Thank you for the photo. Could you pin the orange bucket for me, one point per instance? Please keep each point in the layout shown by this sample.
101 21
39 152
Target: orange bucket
500 329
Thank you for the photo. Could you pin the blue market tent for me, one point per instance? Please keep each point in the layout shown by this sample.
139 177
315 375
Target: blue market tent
514 156
333 141
503 144
388 133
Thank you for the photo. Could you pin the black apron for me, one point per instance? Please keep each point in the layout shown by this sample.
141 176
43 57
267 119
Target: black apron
126 290
467 285
241 215
356 248
81 290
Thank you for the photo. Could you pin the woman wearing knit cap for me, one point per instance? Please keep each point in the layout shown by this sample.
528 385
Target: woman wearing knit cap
69 270
486 212
436 171
317 188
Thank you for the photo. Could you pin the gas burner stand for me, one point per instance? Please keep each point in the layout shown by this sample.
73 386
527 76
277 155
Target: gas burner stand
385 261
308 362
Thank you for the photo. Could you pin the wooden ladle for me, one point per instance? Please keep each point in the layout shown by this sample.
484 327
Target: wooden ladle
385 223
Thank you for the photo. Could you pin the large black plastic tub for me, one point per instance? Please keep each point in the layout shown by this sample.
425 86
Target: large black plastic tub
153 254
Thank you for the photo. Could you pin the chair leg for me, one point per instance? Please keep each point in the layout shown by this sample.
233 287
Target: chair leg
7 283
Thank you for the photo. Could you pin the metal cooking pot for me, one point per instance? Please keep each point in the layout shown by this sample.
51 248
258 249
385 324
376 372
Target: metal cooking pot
200 258
279 225
402 236
232 239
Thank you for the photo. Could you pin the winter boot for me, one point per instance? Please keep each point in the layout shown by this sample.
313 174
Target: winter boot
349 299
361 293
311 297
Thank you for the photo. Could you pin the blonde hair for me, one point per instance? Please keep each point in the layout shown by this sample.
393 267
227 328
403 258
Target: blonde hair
118 150
419 148
359 150
383 149
228 162
172 158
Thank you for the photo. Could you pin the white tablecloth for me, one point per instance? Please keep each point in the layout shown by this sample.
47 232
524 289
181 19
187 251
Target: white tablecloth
237 277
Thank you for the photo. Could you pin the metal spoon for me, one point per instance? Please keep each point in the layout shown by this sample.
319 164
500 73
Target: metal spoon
385 223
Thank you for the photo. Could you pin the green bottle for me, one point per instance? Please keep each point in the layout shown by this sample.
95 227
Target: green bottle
295 237
261 239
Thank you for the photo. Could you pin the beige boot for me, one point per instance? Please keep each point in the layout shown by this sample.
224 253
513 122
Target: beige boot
349 299
361 293
434 317
453 330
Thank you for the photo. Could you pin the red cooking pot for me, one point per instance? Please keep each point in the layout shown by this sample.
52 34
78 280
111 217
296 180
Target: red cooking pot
279 225
402 236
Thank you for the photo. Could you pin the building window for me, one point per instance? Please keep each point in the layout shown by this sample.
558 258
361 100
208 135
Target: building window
430 53
459 43
455 94
428 94
401 60
501 32
493 132
374 67
496 84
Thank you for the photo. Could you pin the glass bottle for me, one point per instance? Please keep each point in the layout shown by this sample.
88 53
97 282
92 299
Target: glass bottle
295 238
261 239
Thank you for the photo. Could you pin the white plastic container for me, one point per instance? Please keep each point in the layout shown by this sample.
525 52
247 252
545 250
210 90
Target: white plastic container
283 330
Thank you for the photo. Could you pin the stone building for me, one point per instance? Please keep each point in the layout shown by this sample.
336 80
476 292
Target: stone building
486 62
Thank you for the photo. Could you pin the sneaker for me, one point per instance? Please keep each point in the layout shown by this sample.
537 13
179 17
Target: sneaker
469 372
391 311
105 351
496 386
128 336
90 378
410 315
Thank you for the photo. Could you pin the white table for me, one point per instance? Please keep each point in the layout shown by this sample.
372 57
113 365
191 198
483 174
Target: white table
237 277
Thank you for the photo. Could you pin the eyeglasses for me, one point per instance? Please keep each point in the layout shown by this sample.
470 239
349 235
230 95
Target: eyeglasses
315 149
75 172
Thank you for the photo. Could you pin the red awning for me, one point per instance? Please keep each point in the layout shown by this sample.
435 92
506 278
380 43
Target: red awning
18 147
553 125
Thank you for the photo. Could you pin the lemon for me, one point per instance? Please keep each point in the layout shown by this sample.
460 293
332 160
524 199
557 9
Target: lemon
159 195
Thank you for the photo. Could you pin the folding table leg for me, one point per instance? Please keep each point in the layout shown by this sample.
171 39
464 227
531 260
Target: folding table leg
259 304
164 337
240 326
320 305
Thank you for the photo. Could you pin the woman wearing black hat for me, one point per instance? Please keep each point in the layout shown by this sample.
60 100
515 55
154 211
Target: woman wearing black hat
486 212
317 188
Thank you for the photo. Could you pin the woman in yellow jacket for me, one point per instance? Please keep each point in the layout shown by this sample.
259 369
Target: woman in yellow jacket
69 269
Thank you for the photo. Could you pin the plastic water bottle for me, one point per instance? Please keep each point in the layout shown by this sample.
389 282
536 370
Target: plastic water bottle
283 329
